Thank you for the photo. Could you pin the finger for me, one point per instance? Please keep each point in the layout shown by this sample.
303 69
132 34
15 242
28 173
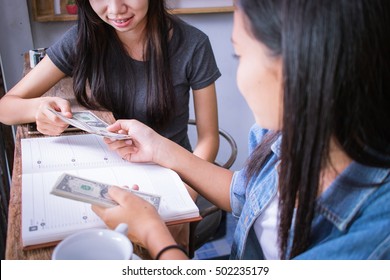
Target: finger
114 127
119 195
117 144
50 128
123 197
63 106
98 210
52 117
123 125
127 152
107 140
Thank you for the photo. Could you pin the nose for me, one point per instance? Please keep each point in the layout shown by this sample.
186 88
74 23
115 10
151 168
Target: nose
116 6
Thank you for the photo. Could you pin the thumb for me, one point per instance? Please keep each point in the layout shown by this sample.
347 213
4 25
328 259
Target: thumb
64 107
119 195
114 127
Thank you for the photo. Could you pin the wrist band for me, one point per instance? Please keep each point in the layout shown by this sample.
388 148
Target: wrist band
174 246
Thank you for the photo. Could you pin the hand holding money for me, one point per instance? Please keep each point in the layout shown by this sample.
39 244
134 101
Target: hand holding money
85 190
89 122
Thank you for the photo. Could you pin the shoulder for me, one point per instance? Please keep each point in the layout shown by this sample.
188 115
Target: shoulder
179 23
359 209
379 199
359 191
373 221
70 34
64 50
67 40
188 33
73 30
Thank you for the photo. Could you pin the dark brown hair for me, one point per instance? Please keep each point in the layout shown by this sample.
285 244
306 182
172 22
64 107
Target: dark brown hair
100 63
336 73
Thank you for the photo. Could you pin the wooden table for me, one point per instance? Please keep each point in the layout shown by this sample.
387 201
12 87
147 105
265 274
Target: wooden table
14 249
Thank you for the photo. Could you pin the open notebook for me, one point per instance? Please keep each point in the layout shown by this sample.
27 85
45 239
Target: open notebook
47 218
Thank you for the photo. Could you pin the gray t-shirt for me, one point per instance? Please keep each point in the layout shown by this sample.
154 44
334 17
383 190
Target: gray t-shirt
192 64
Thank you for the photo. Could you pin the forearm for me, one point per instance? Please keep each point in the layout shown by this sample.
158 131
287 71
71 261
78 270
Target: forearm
211 181
16 110
21 103
207 149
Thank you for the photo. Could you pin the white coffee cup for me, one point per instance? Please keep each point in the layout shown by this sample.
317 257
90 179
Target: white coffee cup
96 244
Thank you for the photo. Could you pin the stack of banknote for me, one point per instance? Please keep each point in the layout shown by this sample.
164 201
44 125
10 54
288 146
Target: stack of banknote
77 188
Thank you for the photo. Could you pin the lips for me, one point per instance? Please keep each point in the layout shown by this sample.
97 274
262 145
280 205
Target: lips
121 22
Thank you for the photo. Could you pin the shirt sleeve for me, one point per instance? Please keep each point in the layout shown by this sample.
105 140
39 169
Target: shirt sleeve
237 192
203 70
63 51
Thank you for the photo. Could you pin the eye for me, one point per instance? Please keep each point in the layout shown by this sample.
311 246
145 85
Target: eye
236 56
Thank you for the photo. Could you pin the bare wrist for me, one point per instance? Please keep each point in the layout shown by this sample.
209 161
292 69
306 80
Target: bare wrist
159 238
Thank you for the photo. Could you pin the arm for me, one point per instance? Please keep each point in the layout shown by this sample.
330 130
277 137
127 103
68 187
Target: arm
206 116
146 145
24 102
146 226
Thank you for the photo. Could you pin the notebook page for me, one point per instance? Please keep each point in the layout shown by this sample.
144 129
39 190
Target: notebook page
47 218
66 152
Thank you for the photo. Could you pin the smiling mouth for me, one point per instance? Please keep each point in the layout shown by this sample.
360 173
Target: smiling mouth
120 20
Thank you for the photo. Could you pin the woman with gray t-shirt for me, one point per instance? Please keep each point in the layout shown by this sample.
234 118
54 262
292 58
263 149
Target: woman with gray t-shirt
132 58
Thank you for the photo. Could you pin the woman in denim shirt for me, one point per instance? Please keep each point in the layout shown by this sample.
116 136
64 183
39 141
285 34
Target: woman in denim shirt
316 75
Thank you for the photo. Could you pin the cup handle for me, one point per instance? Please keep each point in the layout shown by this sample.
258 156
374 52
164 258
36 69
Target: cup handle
122 228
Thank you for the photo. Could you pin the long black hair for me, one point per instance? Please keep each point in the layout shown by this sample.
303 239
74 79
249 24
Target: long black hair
336 77
100 63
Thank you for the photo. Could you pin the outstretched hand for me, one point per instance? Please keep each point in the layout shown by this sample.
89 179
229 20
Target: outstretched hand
142 146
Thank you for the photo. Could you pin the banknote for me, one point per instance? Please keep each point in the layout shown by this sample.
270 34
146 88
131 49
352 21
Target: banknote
89 122
81 189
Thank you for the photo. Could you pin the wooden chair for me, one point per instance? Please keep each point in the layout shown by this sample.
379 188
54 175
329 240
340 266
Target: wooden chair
204 230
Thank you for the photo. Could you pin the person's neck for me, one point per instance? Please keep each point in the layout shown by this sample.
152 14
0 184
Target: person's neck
134 42
337 163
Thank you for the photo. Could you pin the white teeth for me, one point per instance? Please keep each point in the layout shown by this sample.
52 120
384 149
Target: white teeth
120 21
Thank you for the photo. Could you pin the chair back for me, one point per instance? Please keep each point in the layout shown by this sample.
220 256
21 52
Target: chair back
227 144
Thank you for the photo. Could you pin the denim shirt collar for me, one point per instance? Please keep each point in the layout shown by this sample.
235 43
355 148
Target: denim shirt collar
341 202
275 147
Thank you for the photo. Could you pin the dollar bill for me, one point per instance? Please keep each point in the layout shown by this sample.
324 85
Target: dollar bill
85 190
89 122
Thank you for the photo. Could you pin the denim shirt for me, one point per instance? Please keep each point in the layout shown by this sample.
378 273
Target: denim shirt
351 220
